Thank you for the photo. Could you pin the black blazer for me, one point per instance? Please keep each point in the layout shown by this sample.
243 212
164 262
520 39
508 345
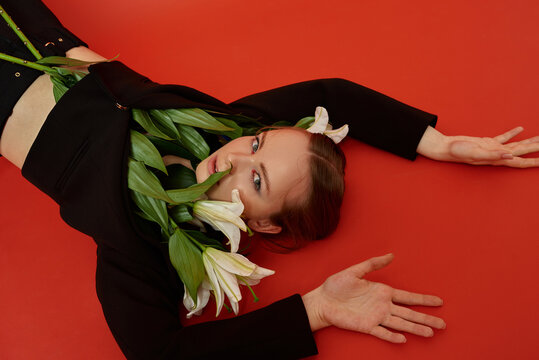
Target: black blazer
79 159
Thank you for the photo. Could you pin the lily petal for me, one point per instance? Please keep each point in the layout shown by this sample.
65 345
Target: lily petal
320 123
203 296
229 283
214 283
258 275
338 134
232 262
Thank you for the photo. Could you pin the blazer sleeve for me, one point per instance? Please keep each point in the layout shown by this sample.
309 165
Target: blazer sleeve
374 118
142 312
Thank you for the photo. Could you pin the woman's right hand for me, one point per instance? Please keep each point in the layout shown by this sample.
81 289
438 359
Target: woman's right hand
348 301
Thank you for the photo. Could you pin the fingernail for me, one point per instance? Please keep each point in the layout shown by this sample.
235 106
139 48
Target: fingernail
507 156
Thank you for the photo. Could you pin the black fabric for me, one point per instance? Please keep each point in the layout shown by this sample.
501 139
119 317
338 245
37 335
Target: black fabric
136 284
41 27
79 158
87 136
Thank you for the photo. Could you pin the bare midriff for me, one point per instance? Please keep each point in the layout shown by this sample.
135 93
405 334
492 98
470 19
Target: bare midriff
31 111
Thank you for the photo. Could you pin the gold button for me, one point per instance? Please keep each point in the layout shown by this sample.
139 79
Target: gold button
50 43
60 40
17 74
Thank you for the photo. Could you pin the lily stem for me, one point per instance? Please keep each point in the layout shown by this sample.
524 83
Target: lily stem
20 34
26 63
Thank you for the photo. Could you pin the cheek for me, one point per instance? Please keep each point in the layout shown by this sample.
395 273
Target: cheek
223 189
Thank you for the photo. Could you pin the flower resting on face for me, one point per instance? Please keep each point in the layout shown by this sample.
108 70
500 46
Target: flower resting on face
269 170
223 216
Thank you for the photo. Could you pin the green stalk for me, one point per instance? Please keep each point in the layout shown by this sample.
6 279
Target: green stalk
26 63
255 298
199 245
19 33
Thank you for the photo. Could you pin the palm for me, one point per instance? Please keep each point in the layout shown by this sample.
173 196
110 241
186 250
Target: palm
348 301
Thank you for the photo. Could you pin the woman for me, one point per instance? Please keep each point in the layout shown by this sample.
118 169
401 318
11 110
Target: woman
129 263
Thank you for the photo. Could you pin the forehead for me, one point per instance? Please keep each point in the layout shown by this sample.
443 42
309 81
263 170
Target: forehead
285 153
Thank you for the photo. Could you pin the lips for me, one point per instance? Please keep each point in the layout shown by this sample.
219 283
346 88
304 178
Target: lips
212 165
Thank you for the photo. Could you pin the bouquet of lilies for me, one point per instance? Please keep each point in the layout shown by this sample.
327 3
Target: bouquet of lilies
202 263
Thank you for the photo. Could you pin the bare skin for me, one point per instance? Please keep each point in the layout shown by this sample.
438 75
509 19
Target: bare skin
31 111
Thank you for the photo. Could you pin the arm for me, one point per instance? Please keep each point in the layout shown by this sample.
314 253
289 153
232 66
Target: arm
141 306
383 122
374 118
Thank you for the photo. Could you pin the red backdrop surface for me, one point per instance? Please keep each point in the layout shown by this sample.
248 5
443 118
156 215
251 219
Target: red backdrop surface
468 234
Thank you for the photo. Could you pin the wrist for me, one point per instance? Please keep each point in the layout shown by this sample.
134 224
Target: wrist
316 320
434 145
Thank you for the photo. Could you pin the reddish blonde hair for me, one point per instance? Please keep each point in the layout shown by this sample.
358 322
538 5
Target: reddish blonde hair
318 215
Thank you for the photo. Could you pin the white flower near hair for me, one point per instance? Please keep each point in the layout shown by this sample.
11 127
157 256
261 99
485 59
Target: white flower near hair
321 126
224 269
223 216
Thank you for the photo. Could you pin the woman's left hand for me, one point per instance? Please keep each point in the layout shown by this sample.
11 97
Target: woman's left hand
480 150
348 301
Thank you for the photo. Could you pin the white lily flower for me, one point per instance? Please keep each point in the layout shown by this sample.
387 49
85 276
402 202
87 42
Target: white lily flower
223 270
223 216
203 296
321 126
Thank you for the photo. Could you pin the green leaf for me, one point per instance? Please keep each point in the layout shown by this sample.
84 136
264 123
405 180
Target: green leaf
280 124
143 118
170 147
205 240
187 260
180 213
305 122
143 150
193 141
241 120
58 88
154 209
194 192
70 72
197 118
238 131
179 177
144 181
64 61
164 123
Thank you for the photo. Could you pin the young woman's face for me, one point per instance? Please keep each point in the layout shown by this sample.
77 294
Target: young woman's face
268 170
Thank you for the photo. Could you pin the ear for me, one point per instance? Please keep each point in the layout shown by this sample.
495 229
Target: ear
264 226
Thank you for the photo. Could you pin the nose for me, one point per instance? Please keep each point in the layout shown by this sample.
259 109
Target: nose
237 160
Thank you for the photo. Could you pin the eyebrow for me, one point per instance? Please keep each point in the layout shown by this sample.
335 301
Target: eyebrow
262 166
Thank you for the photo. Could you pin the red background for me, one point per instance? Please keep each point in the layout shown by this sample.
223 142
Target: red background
468 234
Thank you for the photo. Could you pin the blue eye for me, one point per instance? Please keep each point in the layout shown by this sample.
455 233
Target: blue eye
255 144
256 180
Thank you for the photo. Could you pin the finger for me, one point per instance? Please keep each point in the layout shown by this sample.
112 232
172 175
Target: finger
508 135
409 298
397 323
372 264
522 149
526 141
385 334
522 163
417 317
